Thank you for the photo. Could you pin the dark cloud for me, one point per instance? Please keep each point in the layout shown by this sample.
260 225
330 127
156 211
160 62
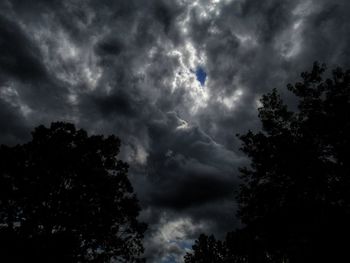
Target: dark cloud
188 168
14 128
109 47
128 68
19 57
26 84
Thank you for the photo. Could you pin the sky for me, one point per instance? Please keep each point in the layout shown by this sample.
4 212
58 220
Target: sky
175 80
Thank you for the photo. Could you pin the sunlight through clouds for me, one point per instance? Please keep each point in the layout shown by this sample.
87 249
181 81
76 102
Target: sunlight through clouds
231 101
189 59
175 236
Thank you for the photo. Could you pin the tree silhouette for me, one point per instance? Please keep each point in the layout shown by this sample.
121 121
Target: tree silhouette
295 198
296 192
206 250
233 249
65 197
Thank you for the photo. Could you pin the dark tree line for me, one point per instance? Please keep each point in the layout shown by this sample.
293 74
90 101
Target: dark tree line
295 195
65 197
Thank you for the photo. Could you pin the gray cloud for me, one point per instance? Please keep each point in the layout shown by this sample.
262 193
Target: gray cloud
127 67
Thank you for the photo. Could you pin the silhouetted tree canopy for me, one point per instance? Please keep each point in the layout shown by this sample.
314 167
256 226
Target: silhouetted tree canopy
205 250
295 195
65 197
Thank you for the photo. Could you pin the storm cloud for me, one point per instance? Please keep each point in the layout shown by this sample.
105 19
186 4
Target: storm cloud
129 68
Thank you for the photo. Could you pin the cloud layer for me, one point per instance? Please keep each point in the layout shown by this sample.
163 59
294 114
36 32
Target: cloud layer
129 68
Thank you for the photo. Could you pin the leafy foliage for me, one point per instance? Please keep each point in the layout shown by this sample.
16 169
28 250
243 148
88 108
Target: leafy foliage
295 199
296 194
65 197
205 250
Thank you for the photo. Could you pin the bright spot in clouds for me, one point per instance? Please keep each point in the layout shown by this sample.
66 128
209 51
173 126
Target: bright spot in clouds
231 101
174 235
188 79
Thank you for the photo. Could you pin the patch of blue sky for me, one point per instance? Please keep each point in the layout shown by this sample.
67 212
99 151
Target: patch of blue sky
201 75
